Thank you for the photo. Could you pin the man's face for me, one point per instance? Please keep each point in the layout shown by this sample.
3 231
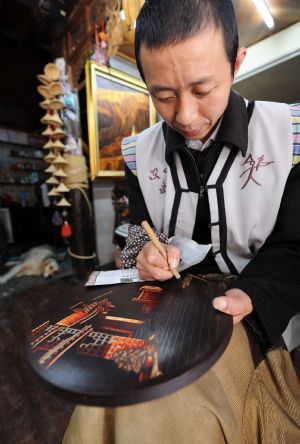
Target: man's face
190 82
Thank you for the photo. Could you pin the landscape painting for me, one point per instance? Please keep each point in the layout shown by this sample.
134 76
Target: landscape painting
118 106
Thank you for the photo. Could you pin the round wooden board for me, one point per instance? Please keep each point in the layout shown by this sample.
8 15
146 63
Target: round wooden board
124 344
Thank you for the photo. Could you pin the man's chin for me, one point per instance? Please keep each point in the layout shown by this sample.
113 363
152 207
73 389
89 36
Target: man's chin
199 136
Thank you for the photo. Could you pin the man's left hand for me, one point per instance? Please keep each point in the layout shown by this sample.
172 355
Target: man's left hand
235 302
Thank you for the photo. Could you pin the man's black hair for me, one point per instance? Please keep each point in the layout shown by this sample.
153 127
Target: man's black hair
167 22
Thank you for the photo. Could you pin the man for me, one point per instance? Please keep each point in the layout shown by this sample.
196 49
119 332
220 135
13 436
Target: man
220 170
189 77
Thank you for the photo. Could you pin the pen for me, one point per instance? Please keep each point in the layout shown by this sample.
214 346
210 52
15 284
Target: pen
158 245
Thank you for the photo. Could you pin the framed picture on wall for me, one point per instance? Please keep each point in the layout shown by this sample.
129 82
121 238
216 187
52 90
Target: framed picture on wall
118 106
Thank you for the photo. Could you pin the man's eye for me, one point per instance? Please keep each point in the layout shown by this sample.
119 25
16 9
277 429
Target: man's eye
164 99
201 94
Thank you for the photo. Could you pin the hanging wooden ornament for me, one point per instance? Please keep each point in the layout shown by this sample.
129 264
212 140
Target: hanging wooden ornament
51 118
62 188
44 91
63 203
53 192
54 144
60 173
55 89
57 144
45 104
52 181
66 229
60 160
43 79
48 132
51 169
55 104
50 157
48 145
52 71
58 133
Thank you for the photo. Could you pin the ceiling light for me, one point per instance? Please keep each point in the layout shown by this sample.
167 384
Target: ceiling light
264 11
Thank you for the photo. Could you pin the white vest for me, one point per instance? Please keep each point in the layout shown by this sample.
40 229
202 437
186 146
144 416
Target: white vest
248 201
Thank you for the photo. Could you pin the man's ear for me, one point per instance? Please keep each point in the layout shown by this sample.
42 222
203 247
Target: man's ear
241 54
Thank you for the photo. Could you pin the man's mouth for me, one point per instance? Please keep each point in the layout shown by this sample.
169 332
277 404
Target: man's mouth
190 134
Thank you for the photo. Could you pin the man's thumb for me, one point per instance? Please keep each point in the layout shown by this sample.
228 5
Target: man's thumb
220 303
230 305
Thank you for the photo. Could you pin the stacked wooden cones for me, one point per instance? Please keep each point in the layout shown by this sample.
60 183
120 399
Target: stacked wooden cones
50 89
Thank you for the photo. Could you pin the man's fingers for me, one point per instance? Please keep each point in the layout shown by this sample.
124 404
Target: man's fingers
152 265
151 272
150 255
173 256
144 275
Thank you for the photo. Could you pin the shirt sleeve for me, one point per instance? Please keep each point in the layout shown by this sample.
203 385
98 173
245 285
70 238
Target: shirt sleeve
272 278
135 242
138 212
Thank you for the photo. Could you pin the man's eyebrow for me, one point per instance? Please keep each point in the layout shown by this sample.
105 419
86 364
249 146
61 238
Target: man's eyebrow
201 81
154 89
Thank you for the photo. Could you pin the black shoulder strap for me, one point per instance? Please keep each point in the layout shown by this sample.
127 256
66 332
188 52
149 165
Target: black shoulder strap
250 109
164 128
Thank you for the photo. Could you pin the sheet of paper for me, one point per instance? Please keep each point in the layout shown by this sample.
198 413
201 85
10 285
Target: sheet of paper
113 277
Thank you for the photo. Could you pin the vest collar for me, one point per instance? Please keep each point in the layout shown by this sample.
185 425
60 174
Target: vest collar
233 129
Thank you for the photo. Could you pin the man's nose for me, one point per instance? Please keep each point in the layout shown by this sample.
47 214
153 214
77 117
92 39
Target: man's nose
186 112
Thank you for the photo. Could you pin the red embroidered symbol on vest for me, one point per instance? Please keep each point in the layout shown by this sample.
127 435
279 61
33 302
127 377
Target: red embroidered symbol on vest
254 166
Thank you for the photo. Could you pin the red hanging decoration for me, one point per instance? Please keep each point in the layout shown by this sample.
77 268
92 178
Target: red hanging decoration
103 40
66 229
97 46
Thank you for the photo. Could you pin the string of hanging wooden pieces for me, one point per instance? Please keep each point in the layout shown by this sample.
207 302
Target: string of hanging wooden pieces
51 90
67 168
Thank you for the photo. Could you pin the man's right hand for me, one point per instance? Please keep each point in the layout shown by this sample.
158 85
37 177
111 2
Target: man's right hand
152 266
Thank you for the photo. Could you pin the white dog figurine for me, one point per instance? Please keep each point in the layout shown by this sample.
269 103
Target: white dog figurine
37 261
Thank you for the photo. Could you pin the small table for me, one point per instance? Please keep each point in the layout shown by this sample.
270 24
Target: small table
124 344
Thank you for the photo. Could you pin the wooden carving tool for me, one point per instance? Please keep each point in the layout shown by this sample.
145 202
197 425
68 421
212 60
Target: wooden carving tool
158 245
